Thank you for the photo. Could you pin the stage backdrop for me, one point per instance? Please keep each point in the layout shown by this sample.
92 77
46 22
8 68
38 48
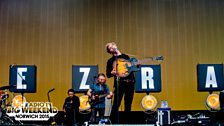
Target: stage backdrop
56 34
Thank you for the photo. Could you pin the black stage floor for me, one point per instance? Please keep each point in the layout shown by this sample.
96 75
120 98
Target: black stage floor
139 118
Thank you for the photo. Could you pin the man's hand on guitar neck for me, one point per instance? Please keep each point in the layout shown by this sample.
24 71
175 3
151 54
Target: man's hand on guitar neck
93 97
110 95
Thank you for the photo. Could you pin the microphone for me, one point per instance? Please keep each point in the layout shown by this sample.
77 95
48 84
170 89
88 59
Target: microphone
116 49
51 90
12 65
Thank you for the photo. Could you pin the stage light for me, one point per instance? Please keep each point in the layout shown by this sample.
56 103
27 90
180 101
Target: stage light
18 101
84 103
149 102
212 101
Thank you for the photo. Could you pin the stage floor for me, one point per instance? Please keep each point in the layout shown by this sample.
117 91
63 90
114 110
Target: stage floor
177 118
125 125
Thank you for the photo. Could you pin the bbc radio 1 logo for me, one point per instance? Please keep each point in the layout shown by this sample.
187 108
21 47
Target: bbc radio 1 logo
22 110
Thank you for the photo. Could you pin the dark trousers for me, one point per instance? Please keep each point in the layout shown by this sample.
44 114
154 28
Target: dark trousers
221 100
125 89
94 112
71 117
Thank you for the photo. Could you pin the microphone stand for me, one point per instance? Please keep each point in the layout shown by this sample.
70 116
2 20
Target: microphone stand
91 100
22 93
48 95
117 91
93 90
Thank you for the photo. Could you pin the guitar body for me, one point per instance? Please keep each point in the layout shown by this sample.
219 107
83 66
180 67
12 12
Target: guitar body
97 99
84 103
125 67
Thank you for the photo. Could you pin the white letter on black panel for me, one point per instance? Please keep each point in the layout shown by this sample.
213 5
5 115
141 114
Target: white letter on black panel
211 78
84 78
20 78
147 78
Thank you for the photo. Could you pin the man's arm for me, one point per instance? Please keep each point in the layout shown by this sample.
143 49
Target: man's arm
78 102
64 106
109 68
110 94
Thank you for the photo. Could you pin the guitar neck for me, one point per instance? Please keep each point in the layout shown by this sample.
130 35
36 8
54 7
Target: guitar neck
101 96
144 61
149 60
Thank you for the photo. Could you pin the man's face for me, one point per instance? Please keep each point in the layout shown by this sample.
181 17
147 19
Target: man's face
70 94
101 79
112 47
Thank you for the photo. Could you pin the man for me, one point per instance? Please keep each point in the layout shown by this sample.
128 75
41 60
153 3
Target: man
123 82
97 93
71 108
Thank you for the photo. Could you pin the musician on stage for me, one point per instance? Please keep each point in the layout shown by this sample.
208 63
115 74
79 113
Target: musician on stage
97 93
125 86
71 108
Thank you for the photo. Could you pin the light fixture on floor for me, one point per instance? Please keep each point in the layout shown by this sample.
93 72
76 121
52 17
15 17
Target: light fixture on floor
212 102
19 101
149 103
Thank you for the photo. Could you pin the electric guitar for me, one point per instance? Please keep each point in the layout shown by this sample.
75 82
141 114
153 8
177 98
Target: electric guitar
84 103
124 67
97 99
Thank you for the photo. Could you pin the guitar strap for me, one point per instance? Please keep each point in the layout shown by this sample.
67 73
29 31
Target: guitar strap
105 88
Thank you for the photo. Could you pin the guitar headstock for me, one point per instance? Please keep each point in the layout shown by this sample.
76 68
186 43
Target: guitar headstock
158 58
